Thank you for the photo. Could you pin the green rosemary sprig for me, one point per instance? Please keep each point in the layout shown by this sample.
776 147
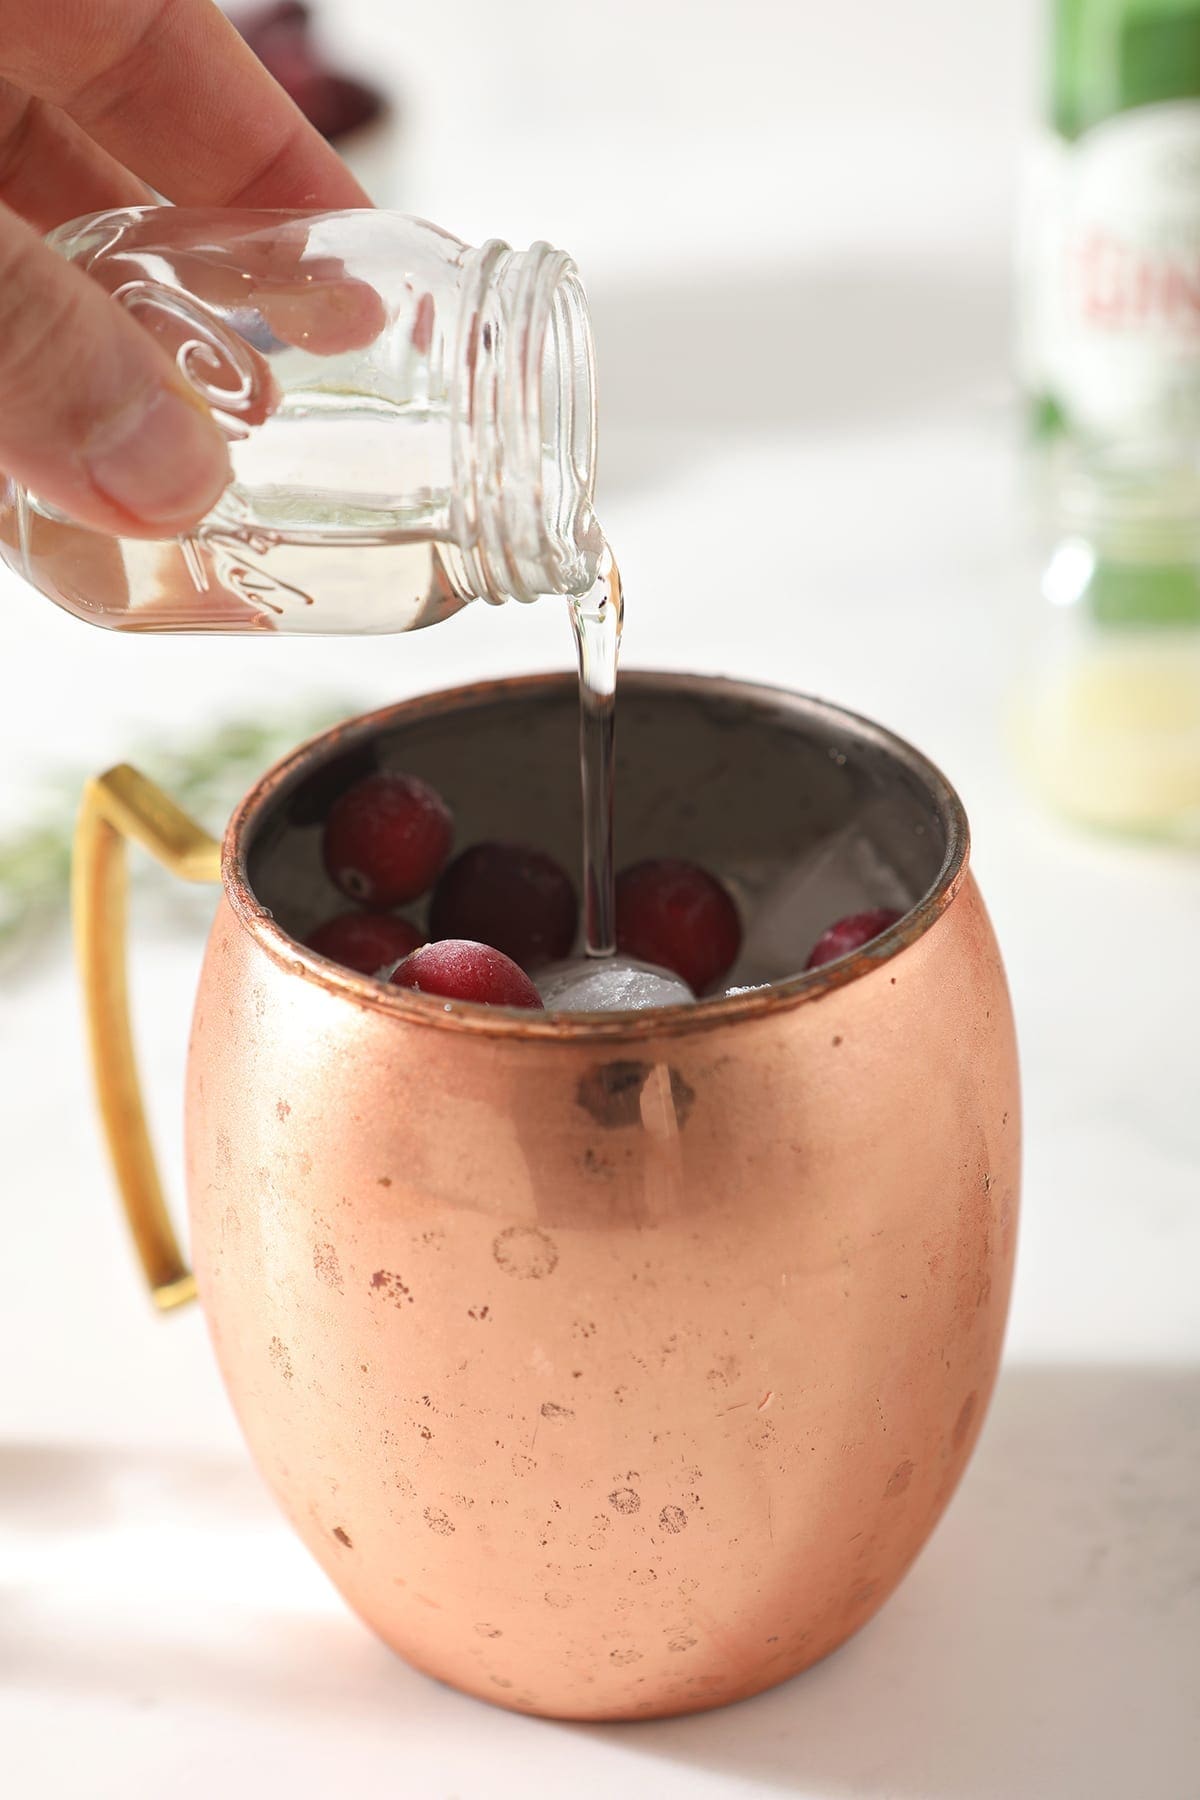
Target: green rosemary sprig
205 777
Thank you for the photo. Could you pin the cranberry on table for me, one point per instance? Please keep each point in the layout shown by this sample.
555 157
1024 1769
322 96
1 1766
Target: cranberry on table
280 37
365 941
508 895
387 839
850 933
675 914
457 969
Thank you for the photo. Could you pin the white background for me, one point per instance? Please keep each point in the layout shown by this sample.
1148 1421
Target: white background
795 223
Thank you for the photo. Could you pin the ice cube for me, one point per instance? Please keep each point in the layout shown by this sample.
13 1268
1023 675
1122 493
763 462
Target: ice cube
846 872
610 984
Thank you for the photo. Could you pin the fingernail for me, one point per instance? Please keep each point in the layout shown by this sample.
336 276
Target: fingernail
161 459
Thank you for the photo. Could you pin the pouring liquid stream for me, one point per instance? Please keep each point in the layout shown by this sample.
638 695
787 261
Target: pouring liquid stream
596 619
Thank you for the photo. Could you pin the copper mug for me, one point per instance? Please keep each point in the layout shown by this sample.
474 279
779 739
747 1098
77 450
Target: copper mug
610 1367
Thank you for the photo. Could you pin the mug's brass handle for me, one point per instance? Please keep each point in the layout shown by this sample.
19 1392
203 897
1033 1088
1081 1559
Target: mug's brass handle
118 806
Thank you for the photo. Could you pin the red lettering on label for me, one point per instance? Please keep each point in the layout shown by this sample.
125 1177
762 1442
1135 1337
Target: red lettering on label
1121 286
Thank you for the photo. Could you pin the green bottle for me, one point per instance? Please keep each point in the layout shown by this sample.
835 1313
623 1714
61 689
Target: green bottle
1110 346
1111 279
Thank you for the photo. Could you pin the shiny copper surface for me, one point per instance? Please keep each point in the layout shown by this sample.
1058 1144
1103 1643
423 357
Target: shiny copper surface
611 1369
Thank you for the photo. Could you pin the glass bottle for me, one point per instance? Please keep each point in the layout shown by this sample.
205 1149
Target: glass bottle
411 424
1110 712
1110 280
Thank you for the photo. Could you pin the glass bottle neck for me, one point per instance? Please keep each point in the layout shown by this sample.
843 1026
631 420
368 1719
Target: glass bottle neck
524 427
1136 507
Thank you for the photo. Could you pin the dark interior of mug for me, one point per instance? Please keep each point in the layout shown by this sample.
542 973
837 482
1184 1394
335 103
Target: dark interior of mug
806 812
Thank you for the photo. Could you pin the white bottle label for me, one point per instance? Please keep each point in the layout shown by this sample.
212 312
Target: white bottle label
1112 297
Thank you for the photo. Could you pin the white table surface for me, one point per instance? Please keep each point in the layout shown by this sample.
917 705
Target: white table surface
839 512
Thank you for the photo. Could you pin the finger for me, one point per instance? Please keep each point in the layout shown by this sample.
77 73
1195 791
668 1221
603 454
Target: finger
325 318
51 171
94 418
170 89
238 266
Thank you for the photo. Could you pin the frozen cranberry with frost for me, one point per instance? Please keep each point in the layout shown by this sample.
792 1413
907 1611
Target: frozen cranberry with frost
508 895
675 914
387 839
850 933
366 941
457 969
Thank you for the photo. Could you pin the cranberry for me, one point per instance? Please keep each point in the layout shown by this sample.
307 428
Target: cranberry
677 915
457 969
365 941
850 933
279 37
515 898
387 839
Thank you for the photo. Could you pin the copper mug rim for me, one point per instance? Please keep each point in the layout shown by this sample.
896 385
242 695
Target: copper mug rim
706 1015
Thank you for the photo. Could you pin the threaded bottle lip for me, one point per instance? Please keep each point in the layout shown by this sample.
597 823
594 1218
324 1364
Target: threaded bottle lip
525 426
1135 505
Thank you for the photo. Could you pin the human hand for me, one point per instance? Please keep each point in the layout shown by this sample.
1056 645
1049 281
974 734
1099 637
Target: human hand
108 103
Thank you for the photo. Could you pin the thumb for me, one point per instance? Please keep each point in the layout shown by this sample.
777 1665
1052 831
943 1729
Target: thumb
94 418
